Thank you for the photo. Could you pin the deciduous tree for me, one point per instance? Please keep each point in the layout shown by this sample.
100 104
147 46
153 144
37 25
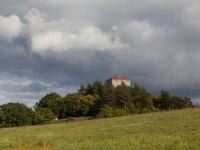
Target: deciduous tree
43 116
47 98
15 114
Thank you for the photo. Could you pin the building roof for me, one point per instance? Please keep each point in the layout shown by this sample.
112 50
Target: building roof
120 77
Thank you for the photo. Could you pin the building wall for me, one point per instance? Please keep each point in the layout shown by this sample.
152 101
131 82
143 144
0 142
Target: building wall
116 82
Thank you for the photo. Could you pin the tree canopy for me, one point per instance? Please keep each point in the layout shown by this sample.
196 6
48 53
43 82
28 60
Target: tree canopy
47 98
15 114
97 99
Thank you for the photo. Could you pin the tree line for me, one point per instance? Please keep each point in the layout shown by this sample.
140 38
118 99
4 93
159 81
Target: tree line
97 100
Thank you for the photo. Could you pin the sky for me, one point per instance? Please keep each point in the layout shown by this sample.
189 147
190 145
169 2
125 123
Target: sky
57 45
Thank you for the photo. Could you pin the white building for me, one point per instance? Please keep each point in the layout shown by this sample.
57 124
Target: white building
118 79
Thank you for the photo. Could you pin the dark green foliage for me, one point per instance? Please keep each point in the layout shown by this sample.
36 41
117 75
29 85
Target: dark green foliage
176 102
82 90
89 89
131 108
77 105
96 99
106 112
156 102
43 116
142 99
133 100
98 89
187 102
94 107
109 96
109 112
15 114
145 110
95 89
2 119
58 107
123 95
166 102
47 98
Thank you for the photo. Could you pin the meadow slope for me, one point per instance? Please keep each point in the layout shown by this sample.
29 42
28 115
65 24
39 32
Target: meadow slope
179 129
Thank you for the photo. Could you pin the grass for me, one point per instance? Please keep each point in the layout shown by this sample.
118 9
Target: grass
172 130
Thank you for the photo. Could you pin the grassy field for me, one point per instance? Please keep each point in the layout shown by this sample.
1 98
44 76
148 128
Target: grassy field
178 130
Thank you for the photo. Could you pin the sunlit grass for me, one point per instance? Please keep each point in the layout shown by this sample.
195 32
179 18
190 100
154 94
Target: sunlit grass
163 130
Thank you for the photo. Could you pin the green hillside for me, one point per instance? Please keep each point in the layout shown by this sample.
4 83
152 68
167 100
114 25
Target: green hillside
179 129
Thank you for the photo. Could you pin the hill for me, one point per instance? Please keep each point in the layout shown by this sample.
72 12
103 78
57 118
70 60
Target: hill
178 129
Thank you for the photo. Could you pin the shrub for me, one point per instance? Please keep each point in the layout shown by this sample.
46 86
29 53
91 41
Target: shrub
108 112
145 110
43 116
119 112
68 119
105 112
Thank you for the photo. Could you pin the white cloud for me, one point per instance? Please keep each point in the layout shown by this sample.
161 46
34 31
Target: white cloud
56 36
89 38
35 21
10 27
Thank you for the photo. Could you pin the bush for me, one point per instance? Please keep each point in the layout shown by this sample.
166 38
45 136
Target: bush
145 110
69 119
109 112
105 112
43 116
119 112
131 108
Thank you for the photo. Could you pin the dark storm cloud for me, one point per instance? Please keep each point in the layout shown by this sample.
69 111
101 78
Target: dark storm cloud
34 87
55 46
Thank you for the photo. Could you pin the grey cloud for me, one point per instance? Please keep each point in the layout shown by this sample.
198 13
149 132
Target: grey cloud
161 53
10 7
35 87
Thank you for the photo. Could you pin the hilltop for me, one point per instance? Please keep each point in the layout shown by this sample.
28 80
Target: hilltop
177 129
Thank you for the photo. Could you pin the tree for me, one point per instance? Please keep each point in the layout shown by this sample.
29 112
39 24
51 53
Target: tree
70 102
15 114
94 106
156 102
77 105
137 95
143 100
177 102
47 98
95 89
165 100
123 94
43 116
188 102
57 106
89 89
2 119
147 100
108 96
82 90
